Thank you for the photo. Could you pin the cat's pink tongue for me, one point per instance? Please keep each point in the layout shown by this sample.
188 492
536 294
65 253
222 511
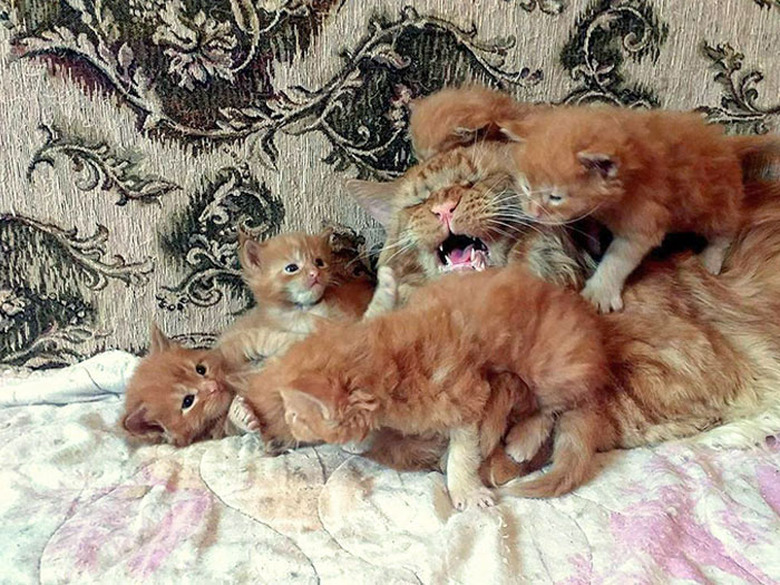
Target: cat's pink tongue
460 256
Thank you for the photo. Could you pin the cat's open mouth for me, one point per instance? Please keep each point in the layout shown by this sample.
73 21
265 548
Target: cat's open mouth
461 252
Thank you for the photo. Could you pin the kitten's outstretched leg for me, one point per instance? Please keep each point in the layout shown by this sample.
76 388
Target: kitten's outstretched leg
242 416
604 289
713 255
463 459
386 294
526 438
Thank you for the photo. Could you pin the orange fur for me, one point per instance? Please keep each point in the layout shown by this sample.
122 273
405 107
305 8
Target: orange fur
457 116
154 399
689 351
289 306
643 174
428 367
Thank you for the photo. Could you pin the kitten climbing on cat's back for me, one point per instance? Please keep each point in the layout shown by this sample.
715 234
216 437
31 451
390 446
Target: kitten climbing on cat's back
430 367
643 174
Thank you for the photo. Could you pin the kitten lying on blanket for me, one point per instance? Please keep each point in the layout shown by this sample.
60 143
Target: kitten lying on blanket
182 395
643 174
428 367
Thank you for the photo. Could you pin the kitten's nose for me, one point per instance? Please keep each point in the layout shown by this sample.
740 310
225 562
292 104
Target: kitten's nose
445 210
314 275
210 386
533 209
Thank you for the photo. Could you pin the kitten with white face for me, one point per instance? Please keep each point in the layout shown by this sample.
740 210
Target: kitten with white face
176 394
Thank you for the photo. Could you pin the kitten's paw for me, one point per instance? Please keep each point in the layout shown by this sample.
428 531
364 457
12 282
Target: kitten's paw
480 497
605 298
713 260
521 451
242 416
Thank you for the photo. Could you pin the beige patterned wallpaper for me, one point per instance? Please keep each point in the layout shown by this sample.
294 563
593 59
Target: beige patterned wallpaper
137 134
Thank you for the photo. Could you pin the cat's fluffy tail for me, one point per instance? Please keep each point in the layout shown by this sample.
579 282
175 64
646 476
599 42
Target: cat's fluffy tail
576 442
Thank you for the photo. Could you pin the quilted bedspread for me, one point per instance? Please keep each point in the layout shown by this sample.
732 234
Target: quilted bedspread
80 504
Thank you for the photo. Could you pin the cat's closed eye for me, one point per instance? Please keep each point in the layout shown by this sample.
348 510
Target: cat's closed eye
291 268
188 401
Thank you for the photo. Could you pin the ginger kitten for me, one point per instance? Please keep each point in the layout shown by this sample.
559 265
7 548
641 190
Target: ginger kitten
183 395
177 394
643 174
428 368
296 281
458 116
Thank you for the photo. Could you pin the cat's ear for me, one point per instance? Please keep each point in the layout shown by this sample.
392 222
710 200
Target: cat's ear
158 341
137 423
602 164
250 251
376 198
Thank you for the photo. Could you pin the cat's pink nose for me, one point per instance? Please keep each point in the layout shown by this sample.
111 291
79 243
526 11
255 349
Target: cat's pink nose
210 386
314 276
445 210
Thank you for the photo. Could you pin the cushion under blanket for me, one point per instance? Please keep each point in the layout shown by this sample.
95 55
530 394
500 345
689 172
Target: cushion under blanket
78 503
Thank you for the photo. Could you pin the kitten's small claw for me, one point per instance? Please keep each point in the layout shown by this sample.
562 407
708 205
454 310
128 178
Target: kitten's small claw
480 497
603 298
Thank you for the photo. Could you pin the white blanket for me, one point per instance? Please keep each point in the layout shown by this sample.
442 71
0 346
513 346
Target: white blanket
78 504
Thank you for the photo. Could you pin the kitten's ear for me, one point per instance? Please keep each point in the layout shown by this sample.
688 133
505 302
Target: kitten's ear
136 423
601 164
315 394
514 132
157 340
250 251
305 407
376 198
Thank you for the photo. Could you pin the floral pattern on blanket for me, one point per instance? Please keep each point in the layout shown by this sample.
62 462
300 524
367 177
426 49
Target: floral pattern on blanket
83 505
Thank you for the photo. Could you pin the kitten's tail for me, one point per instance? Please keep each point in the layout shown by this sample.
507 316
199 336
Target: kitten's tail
576 442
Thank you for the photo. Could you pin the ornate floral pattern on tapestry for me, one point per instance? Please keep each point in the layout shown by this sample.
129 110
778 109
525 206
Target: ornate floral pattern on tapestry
138 134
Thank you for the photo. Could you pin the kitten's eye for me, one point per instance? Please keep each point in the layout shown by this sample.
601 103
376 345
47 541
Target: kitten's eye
555 198
200 369
291 268
319 263
187 402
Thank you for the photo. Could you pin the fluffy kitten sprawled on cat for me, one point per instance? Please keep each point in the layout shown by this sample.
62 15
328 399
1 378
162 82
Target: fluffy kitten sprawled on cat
182 395
643 174
428 367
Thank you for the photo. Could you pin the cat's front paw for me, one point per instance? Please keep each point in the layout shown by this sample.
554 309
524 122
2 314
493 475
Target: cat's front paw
480 497
605 298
